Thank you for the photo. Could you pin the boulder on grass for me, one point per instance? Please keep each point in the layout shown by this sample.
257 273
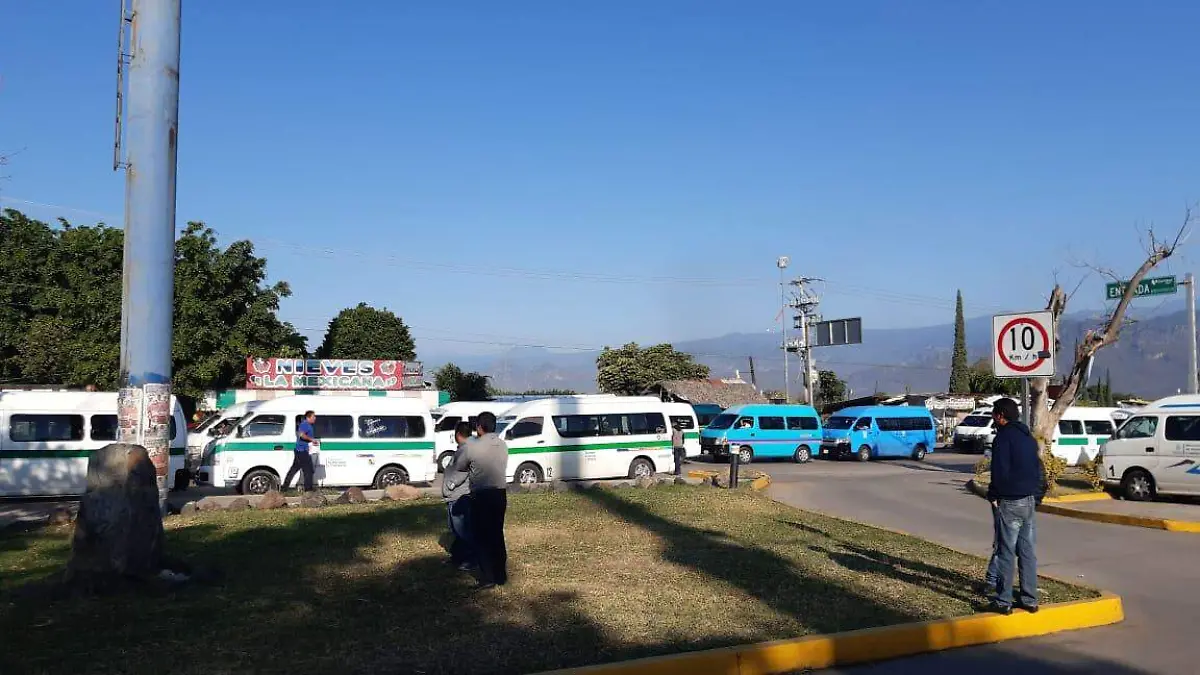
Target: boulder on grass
119 530
272 500
353 495
189 509
239 504
206 505
679 480
400 493
313 500
645 482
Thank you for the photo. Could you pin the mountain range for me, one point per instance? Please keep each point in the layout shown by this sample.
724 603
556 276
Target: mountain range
1150 359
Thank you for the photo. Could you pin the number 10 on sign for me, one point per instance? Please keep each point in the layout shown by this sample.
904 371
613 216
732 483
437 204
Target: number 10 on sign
1023 344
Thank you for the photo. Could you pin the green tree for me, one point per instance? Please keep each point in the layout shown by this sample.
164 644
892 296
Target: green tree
60 307
982 381
462 386
960 371
830 388
364 332
631 369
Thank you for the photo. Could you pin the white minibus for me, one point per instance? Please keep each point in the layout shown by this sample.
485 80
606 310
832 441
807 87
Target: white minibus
587 438
1081 432
1155 451
46 438
362 441
448 417
216 426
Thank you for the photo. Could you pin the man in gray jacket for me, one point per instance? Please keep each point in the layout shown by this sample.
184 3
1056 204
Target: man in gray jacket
458 504
485 459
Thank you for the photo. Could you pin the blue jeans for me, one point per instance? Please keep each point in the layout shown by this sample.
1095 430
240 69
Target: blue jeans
459 512
1018 536
991 578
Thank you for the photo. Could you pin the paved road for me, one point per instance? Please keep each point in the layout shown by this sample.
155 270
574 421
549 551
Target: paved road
1156 573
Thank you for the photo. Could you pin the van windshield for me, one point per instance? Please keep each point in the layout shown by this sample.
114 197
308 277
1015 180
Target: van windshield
975 421
208 422
839 423
502 424
722 422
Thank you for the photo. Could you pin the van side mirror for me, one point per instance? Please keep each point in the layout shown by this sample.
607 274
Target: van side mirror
241 431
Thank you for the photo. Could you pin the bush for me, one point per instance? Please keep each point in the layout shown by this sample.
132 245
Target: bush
1052 467
983 466
1092 472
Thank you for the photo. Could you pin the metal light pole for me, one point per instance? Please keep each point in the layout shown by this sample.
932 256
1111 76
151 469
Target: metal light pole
1190 282
782 263
151 138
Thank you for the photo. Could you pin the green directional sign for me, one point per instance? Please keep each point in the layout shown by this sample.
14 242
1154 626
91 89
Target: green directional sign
1147 287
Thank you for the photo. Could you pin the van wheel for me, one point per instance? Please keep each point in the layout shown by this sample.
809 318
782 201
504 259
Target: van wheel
1137 486
745 454
443 461
641 468
258 482
919 452
389 476
864 453
803 455
528 474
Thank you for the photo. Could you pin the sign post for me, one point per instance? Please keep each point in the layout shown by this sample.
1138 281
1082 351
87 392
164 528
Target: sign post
1023 347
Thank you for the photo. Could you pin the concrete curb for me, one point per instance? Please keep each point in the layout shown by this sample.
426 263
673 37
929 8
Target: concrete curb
1081 497
871 644
1054 508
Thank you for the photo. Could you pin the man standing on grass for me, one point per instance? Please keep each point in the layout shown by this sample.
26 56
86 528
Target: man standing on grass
301 457
1013 491
485 459
458 504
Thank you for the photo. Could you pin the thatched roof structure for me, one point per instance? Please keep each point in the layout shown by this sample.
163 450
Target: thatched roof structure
716 392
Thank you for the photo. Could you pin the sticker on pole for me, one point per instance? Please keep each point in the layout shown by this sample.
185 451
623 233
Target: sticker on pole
1023 344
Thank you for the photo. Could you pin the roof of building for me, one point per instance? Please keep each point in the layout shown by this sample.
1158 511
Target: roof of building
718 392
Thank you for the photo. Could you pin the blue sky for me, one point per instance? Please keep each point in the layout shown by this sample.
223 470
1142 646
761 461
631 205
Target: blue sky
585 173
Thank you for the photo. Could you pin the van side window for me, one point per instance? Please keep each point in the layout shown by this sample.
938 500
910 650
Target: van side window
528 426
389 426
770 423
104 428
682 422
331 426
862 424
1098 427
744 423
1183 428
447 423
45 428
264 425
1139 427
810 423
1070 427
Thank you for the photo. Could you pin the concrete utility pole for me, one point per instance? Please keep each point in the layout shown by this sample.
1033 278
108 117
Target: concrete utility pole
1190 282
782 263
805 302
151 139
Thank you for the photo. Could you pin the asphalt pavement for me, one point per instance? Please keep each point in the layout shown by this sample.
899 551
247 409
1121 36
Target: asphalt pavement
1156 573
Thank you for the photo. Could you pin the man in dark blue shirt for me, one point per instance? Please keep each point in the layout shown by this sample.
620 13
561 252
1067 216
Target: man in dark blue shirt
1013 492
301 457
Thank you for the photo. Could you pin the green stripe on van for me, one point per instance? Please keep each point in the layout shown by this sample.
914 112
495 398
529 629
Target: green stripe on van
62 454
691 435
326 446
652 445
1073 441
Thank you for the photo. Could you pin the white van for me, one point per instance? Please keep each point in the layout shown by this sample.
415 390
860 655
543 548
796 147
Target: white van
1081 433
215 427
587 438
975 431
46 438
362 441
684 415
1156 451
448 416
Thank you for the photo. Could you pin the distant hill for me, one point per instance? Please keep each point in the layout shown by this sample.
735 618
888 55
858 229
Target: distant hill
1149 360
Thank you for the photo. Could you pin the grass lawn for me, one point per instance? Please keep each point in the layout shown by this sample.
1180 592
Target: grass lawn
596 576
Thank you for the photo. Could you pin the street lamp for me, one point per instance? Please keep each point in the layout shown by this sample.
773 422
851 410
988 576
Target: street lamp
782 263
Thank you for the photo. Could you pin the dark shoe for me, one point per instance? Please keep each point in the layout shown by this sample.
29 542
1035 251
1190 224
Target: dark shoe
1031 610
998 608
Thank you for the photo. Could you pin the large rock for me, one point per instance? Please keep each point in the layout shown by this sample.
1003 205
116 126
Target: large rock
645 482
353 495
208 505
400 493
119 530
272 500
189 509
239 504
313 500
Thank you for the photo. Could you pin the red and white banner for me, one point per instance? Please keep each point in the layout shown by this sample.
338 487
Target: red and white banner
332 374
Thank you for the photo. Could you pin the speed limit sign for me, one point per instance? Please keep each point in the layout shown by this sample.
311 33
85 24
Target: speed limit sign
1023 344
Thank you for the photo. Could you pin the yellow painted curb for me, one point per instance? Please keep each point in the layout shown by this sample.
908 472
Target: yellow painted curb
1053 508
761 483
871 644
696 473
1081 497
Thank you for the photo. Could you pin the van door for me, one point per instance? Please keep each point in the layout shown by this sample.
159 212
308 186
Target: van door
865 433
1070 443
1179 468
528 436
341 459
1098 433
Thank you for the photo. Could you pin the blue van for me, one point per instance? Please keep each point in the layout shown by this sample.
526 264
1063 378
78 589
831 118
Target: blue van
706 413
762 431
871 432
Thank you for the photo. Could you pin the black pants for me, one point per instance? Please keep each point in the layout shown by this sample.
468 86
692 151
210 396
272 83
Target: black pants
680 453
487 526
302 462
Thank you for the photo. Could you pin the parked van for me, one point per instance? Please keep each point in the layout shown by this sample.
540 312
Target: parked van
448 417
572 438
1156 451
46 438
1081 433
362 441
760 431
685 416
215 427
974 432
872 432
